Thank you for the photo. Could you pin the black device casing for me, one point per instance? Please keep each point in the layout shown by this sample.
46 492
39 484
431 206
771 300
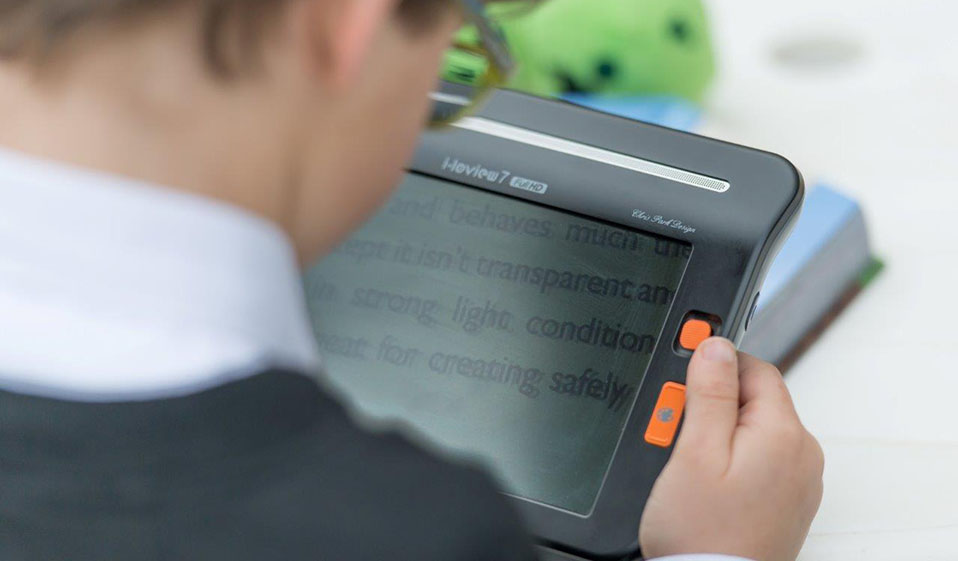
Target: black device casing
736 235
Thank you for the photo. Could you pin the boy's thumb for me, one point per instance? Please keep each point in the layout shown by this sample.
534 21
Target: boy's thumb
712 399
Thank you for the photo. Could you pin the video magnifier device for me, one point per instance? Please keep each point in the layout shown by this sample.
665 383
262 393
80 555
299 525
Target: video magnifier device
531 295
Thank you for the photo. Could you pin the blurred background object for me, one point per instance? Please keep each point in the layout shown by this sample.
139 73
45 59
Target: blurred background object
613 48
616 49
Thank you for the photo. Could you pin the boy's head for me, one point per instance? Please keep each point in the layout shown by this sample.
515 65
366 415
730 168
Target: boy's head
301 110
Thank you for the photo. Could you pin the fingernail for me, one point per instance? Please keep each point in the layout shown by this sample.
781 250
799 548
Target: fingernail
718 350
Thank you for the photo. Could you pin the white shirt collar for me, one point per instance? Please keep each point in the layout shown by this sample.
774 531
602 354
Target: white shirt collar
112 289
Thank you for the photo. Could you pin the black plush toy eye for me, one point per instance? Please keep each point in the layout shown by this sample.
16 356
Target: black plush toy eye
679 30
607 69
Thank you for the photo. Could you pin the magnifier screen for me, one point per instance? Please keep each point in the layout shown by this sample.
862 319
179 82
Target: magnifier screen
497 328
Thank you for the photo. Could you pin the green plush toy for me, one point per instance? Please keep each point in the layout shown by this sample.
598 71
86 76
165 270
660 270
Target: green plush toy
612 47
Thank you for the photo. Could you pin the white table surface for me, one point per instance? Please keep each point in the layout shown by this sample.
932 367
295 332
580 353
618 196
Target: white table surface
879 389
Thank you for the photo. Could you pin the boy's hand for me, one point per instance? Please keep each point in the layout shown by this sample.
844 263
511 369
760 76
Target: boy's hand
745 477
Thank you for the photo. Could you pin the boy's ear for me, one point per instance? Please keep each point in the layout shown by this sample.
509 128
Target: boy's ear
340 34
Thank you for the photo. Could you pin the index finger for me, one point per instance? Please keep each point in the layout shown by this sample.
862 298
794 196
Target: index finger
762 389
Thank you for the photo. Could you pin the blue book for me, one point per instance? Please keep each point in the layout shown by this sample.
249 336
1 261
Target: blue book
825 263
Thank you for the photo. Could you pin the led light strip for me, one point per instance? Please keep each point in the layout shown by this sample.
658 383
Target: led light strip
532 138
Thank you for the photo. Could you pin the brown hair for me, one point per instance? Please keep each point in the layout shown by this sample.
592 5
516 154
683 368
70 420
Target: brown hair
32 28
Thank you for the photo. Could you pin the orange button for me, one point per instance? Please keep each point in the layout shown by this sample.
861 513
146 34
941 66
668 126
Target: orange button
694 333
666 416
